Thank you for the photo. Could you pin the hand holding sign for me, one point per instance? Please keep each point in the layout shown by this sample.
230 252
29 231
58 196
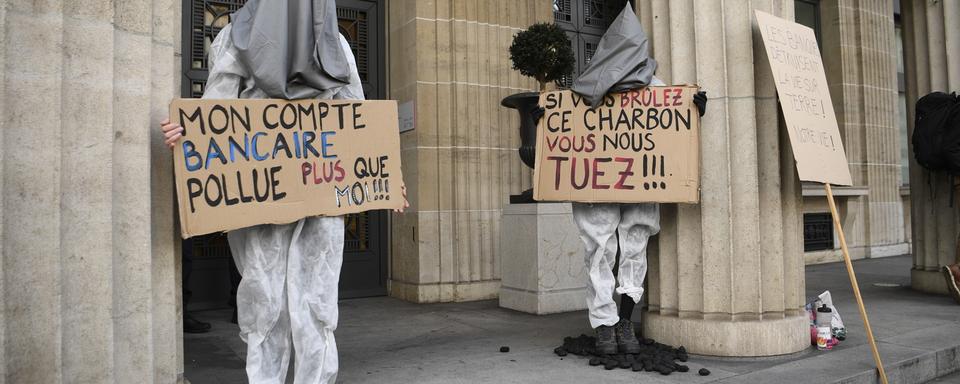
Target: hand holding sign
171 132
700 99
406 204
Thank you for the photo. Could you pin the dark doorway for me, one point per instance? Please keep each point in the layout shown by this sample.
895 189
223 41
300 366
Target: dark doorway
365 250
364 270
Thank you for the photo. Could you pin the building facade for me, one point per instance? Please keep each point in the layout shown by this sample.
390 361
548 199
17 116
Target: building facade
90 274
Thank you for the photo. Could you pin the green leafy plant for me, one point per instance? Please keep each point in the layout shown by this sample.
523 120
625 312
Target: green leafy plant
542 52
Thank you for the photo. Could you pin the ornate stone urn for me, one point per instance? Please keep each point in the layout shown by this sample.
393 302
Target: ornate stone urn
526 104
543 52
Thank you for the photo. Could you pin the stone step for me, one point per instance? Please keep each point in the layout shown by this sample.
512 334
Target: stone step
914 357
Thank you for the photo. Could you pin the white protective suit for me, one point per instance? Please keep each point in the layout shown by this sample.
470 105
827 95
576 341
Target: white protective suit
598 223
288 293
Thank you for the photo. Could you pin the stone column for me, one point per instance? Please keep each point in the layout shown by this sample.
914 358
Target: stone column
931 46
451 58
728 278
89 279
859 54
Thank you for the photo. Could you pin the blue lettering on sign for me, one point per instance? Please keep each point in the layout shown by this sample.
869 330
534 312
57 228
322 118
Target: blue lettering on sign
253 143
214 152
308 148
324 144
190 152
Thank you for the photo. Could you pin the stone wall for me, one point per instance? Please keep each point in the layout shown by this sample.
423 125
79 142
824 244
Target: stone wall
89 279
859 54
450 57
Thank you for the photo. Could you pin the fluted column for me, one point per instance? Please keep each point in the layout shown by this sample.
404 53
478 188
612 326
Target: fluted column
451 59
88 280
931 51
859 57
727 277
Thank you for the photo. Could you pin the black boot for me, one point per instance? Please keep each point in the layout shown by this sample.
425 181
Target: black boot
626 338
606 340
191 325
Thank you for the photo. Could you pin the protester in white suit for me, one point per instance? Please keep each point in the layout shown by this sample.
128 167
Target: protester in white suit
621 62
287 299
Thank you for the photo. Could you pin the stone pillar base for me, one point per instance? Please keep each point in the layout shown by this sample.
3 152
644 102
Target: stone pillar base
928 281
543 303
730 338
443 292
541 262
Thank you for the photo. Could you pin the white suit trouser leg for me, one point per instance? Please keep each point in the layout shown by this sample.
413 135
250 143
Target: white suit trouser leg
598 223
288 297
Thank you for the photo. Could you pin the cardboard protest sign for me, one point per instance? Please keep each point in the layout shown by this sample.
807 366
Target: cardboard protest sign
247 162
641 145
805 99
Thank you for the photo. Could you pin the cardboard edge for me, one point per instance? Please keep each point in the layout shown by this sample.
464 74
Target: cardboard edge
184 233
537 163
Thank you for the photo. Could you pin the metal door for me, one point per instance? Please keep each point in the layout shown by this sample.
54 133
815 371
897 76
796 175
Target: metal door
365 249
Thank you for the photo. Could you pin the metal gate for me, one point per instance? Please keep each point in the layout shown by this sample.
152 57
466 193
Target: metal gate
365 249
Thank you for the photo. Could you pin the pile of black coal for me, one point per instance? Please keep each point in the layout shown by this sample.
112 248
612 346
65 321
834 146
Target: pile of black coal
653 356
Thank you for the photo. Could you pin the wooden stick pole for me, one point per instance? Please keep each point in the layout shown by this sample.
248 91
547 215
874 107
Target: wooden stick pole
853 282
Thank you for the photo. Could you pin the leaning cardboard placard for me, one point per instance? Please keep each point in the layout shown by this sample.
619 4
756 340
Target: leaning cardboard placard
247 162
640 145
801 83
794 57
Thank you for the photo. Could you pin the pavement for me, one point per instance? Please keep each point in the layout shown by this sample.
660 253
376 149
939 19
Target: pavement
384 340
953 378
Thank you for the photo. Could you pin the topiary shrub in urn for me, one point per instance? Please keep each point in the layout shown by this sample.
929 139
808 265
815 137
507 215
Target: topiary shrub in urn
544 53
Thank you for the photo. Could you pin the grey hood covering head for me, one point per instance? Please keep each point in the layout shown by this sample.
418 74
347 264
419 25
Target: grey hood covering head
291 46
622 60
